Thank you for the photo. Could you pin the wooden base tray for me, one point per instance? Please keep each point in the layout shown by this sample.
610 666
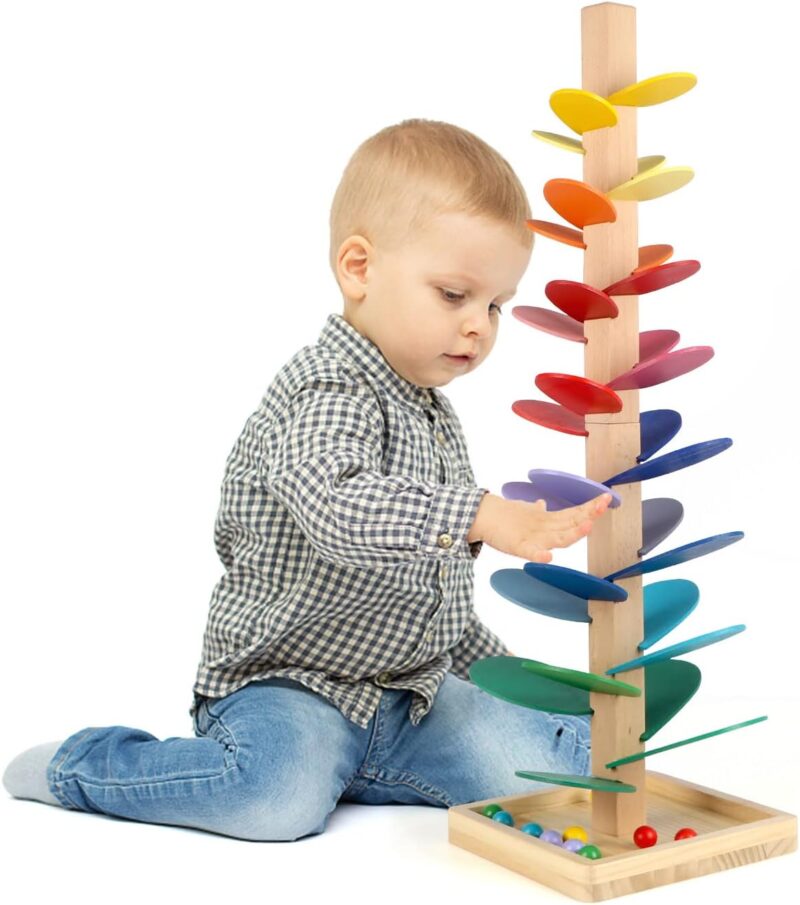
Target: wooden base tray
730 832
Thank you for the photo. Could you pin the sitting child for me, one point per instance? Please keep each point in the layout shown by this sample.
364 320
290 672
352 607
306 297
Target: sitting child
335 659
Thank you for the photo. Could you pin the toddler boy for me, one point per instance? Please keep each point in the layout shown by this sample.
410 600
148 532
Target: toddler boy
336 654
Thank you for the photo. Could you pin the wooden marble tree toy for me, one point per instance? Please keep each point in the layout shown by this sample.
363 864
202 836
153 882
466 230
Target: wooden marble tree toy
629 694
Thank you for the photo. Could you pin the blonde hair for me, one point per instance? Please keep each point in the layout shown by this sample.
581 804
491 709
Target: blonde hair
401 177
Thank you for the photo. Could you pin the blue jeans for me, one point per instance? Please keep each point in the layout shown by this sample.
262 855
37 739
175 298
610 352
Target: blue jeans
272 759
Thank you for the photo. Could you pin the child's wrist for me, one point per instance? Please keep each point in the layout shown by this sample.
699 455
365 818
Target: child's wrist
486 515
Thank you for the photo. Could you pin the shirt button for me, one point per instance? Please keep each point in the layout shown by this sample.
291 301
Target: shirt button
429 634
441 438
445 540
384 676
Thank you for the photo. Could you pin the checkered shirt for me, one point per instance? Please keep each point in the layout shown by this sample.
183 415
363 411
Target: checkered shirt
342 525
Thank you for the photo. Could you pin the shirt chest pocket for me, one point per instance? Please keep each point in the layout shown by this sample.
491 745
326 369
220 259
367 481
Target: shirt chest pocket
414 454
413 449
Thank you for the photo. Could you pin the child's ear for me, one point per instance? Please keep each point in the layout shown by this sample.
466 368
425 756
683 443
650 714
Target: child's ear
352 262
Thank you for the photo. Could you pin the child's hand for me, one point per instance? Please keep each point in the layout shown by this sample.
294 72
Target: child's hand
528 530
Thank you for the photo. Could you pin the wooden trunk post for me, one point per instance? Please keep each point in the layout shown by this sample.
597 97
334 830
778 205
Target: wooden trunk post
608 35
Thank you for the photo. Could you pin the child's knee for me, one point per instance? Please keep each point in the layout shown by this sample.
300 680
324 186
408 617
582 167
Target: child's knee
279 819
276 806
288 825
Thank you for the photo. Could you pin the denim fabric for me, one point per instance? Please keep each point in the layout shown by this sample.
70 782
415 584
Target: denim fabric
271 760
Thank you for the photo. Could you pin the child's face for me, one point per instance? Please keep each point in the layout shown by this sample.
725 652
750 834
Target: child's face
434 297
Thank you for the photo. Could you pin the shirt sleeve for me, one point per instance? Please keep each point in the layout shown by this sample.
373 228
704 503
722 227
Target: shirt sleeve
326 469
477 642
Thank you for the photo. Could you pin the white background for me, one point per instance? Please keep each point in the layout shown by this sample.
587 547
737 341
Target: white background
167 170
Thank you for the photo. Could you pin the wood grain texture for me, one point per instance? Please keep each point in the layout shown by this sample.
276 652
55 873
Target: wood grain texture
608 33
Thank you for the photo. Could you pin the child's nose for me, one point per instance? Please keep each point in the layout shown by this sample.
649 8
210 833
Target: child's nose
478 321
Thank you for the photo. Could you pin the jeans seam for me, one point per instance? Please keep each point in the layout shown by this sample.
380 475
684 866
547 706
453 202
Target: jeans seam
375 742
414 781
71 748
229 735
56 771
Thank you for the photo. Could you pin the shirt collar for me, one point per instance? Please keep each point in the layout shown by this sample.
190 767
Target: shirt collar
368 358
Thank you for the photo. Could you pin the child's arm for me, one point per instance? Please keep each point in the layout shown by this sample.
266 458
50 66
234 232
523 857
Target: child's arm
528 530
326 465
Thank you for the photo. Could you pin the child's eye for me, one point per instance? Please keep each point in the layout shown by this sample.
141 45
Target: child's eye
451 296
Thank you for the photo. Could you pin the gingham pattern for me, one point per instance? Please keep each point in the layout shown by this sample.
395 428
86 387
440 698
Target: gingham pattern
337 501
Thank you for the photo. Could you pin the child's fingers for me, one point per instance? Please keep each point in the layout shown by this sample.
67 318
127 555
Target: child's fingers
605 500
599 504
568 536
566 519
591 508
